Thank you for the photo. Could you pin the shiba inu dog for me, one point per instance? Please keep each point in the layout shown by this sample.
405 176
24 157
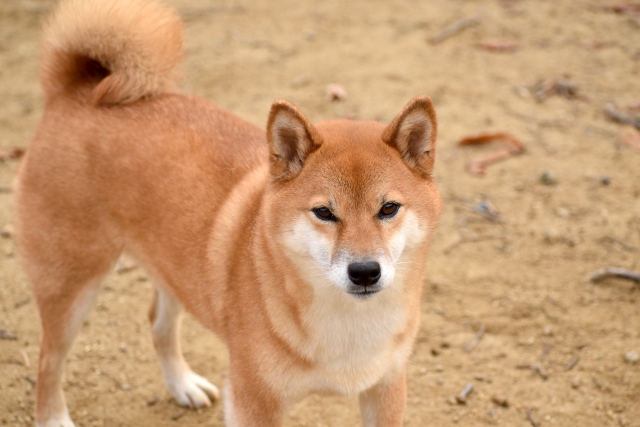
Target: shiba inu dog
303 248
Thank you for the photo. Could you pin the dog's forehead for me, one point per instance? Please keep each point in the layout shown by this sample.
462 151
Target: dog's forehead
343 131
354 161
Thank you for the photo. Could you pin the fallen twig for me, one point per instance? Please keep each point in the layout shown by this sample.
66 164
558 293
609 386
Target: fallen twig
462 397
542 89
533 422
537 367
469 348
615 115
572 363
498 46
615 272
454 28
478 165
6 335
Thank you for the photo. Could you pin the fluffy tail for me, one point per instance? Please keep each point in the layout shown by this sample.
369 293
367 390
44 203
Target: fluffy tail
120 50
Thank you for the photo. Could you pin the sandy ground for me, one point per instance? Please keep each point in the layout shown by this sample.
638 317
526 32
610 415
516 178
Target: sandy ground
523 279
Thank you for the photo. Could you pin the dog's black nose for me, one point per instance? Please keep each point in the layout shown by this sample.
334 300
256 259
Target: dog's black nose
364 273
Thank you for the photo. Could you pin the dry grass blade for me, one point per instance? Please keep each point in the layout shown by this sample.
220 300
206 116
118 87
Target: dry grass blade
615 272
454 28
469 348
615 115
533 422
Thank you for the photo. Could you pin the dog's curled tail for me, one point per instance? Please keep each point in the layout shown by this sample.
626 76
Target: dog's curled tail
114 51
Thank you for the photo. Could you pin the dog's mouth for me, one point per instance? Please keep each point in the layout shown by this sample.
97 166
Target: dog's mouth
364 293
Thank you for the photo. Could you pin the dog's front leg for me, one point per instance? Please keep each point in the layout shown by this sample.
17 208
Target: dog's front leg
383 404
248 402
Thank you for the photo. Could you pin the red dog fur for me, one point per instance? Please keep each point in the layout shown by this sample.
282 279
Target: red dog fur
303 248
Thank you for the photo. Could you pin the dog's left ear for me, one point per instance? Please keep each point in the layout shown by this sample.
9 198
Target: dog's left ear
291 139
413 133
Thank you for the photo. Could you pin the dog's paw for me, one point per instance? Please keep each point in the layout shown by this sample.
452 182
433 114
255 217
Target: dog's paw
58 420
193 391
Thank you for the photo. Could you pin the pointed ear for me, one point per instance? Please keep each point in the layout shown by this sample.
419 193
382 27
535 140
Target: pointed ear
413 133
291 139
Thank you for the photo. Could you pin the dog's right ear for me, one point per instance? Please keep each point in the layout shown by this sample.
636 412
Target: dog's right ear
291 139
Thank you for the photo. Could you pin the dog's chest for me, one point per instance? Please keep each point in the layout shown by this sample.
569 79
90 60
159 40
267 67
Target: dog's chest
353 346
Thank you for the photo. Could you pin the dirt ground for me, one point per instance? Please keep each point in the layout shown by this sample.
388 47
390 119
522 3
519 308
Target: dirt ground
512 253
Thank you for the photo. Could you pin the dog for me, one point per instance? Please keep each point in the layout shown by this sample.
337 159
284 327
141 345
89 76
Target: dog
302 248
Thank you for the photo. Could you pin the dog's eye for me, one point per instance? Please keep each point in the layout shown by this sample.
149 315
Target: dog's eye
388 210
324 214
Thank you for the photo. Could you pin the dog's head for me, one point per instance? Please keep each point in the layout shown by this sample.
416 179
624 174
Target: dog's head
352 202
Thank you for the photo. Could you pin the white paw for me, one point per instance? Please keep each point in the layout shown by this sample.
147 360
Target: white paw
58 420
192 390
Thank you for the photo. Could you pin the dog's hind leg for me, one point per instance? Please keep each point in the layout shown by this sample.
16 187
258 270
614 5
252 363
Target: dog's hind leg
59 327
65 286
188 388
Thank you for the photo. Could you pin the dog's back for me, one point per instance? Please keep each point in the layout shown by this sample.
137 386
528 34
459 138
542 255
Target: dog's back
118 149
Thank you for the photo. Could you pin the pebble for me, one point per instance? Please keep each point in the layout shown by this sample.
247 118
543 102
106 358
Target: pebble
7 231
548 178
336 92
575 383
632 357
500 401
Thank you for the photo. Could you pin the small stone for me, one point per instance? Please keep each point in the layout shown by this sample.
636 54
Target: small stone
605 180
336 92
548 178
7 231
500 401
632 357
575 382
152 400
